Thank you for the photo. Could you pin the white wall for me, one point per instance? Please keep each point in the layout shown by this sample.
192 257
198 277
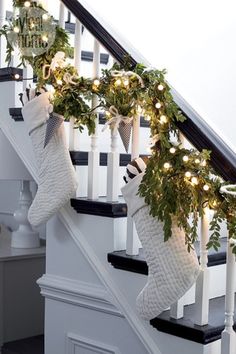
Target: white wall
194 40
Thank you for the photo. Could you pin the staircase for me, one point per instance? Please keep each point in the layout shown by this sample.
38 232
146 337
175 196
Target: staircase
95 264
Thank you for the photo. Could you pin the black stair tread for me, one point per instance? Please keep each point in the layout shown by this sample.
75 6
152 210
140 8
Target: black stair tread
17 116
185 328
100 207
137 264
80 158
33 345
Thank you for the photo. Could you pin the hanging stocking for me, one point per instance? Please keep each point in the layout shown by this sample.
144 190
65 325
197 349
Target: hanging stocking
57 180
172 270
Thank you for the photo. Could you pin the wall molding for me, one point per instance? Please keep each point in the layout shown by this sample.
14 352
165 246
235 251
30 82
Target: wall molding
75 342
79 293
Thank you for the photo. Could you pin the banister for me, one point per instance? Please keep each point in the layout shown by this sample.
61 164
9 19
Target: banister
195 129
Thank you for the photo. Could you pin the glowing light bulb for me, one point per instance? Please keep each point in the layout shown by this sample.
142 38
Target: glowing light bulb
214 204
32 25
172 150
108 114
27 4
188 174
167 165
160 87
96 82
147 118
185 158
45 17
194 180
158 105
203 163
163 119
197 161
59 82
206 187
16 29
44 38
118 82
126 82
17 76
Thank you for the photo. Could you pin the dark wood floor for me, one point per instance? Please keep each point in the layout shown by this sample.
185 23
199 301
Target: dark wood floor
34 345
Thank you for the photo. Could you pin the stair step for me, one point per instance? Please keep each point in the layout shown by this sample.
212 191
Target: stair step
33 345
100 207
185 328
15 113
137 264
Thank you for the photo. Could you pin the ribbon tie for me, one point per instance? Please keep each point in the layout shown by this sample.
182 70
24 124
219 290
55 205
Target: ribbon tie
118 73
116 119
57 61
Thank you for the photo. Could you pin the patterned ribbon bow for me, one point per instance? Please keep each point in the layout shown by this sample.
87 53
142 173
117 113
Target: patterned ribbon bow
116 119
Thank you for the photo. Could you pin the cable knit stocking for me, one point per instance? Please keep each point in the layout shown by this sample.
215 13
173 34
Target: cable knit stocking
172 269
57 180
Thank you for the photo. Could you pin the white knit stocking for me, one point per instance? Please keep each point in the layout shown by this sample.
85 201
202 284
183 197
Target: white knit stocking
57 180
172 269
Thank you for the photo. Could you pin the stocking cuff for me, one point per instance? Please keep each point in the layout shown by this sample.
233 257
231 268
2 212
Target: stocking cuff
130 193
37 111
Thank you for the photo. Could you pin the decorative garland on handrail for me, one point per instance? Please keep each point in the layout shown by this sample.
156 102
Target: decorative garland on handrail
178 181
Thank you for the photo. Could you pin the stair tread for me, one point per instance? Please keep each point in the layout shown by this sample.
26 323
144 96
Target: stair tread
137 264
17 116
33 345
185 328
100 207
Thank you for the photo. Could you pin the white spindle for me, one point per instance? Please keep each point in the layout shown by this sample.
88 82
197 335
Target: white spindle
93 156
2 39
113 164
132 242
177 309
24 236
27 76
77 45
228 338
62 15
203 281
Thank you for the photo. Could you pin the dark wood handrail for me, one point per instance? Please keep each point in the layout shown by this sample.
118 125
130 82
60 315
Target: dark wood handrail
195 129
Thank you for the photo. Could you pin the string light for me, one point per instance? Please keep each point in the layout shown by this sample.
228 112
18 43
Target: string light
172 150
17 76
163 119
206 187
45 17
32 25
188 174
126 82
147 118
160 87
167 165
203 163
118 82
108 114
158 105
59 82
194 180
185 158
96 82
16 29
27 4
197 161
44 38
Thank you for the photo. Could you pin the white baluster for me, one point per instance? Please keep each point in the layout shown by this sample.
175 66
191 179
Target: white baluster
132 241
77 45
113 164
27 76
203 281
93 155
228 338
177 309
62 15
2 39
24 236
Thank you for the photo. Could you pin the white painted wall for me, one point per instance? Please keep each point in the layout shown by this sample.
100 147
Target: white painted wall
194 41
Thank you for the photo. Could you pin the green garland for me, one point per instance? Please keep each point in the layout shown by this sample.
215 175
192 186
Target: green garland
178 182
